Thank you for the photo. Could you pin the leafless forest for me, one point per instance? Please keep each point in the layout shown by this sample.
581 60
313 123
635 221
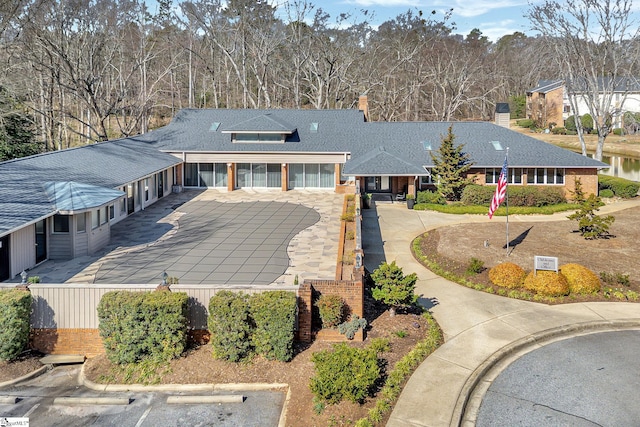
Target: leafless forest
91 70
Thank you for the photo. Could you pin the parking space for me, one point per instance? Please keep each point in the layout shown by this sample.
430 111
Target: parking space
37 402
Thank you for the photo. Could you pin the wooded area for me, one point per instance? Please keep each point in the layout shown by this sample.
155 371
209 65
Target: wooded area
80 71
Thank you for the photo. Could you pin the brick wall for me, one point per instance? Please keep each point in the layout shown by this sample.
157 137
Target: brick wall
352 292
67 341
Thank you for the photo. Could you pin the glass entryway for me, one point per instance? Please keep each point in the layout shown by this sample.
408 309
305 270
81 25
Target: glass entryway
379 184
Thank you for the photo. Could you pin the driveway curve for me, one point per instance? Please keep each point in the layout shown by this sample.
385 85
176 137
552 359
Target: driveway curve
480 329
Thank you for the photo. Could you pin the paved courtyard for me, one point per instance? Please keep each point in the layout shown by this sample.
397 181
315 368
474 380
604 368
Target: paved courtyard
214 237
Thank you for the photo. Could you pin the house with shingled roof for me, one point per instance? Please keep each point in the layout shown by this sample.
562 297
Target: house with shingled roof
61 205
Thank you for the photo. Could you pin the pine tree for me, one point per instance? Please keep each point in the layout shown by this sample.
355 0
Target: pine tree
591 225
451 165
392 287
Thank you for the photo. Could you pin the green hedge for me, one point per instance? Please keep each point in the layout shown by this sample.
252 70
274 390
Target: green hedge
518 195
263 323
274 316
344 373
15 311
143 325
229 325
621 187
431 197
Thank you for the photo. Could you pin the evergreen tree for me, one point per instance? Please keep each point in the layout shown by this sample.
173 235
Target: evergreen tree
590 225
451 165
392 287
16 130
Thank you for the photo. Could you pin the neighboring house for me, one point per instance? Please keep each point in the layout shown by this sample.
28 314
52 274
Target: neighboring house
549 102
60 205
546 103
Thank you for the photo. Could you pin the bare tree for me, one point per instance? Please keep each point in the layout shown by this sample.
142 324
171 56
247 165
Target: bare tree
592 41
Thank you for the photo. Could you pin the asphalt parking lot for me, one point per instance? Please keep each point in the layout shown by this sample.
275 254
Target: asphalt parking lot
39 400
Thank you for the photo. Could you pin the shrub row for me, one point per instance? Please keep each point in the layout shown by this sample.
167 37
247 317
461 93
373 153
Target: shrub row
518 195
143 325
263 323
15 309
571 278
621 187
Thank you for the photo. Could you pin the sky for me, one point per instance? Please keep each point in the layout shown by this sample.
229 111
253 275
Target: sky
494 18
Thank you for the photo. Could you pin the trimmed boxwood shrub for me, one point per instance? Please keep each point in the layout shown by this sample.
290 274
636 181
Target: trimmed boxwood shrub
344 373
274 316
229 325
607 193
518 195
331 308
547 283
525 123
143 325
508 275
581 280
621 187
15 310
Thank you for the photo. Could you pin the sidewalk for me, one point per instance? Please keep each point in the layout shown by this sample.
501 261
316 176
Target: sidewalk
480 329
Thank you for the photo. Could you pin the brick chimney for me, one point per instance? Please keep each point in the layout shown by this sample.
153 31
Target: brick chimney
363 105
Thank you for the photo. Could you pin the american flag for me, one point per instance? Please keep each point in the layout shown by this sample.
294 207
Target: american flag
501 190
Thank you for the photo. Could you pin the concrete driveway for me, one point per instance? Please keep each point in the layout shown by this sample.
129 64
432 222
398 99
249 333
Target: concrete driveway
483 333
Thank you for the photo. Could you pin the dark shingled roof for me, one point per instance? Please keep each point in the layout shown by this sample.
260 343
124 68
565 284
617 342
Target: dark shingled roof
373 148
23 198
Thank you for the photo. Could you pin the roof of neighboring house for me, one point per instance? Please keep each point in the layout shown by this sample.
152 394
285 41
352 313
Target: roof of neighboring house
23 195
620 84
546 86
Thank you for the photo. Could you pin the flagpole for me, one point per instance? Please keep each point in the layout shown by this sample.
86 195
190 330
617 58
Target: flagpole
507 198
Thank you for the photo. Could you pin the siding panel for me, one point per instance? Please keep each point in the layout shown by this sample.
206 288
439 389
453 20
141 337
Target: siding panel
23 252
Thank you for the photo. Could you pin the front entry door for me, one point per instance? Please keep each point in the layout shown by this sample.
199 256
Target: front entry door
4 258
41 241
161 184
376 184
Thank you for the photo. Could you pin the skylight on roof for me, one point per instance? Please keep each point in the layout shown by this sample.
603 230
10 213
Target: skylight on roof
313 127
214 126
426 145
497 145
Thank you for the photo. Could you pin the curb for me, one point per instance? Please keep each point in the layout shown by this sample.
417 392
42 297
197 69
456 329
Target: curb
26 377
476 385
225 398
67 401
84 381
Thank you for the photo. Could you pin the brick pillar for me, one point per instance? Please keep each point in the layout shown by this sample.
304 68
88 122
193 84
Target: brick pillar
411 185
337 174
304 312
178 173
231 176
284 180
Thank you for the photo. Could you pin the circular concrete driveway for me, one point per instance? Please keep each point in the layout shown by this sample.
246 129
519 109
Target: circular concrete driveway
215 243
588 380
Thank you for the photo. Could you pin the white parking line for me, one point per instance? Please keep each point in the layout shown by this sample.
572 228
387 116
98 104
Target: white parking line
141 420
30 411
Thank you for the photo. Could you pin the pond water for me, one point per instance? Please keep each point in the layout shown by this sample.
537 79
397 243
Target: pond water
621 166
